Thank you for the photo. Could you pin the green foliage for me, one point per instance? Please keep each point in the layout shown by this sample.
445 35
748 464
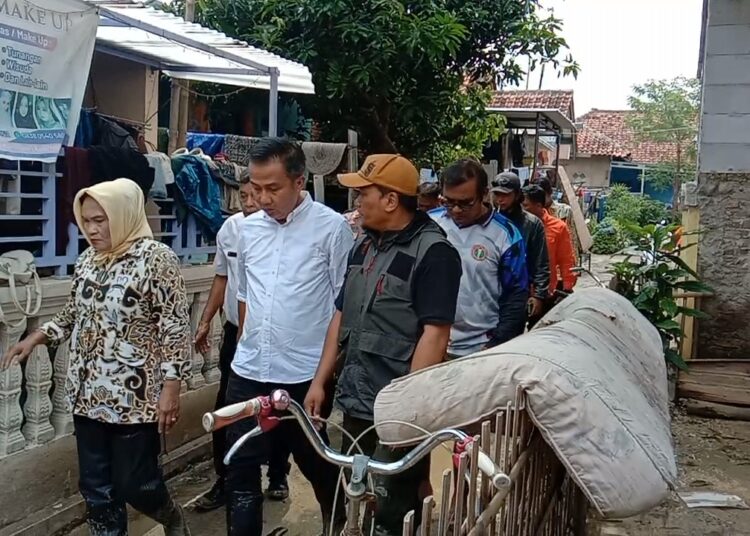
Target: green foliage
608 238
623 210
668 112
649 277
411 77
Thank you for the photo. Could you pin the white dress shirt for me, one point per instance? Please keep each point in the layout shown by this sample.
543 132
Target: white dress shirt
225 263
289 276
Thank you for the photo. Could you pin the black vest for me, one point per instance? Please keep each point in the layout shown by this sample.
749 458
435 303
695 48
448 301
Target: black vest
379 327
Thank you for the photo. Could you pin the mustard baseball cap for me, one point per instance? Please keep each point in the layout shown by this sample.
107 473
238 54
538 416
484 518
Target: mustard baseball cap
390 171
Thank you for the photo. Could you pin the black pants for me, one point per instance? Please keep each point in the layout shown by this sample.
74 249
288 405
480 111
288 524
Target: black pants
396 495
278 462
245 498
119 465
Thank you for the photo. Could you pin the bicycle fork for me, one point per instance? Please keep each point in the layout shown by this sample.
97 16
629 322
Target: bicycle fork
356 493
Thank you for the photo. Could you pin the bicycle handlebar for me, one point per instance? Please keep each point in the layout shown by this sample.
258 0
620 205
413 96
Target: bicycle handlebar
279 400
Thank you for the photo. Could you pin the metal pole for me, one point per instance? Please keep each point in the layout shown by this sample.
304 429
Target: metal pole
273 104
557 157
174 116
185 90
536 148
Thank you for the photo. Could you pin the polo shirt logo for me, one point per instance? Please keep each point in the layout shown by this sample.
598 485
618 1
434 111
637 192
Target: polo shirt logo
479 252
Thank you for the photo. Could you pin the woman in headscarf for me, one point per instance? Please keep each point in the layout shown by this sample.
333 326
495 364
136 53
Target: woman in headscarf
128 324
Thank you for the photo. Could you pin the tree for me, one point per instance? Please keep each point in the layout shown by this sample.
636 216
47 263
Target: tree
410 77
667 112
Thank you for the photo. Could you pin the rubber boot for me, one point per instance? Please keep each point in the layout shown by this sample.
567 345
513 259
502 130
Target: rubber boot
172 518
107 520
244 513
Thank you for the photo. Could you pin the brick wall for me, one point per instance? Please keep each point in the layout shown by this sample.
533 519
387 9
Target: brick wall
724 263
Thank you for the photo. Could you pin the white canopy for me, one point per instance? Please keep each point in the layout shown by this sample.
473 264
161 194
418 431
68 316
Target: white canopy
190 51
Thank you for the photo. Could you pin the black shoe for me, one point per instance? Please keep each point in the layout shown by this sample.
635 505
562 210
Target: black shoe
278 490
213 499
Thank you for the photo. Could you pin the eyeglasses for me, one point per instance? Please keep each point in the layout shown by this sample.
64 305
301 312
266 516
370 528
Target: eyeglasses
450 204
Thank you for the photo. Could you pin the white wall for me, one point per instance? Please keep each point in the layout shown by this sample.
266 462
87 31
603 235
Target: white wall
595 170
725 114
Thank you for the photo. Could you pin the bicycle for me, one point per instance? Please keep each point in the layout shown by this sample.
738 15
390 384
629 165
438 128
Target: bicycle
578 270
264 407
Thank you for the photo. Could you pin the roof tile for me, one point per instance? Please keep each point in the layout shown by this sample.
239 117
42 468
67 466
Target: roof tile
606 133
542 99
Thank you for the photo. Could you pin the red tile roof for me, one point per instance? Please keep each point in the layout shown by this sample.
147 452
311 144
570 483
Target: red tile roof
542 99
606 133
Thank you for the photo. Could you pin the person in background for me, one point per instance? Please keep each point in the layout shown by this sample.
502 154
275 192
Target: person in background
495 283
557 210
354 218
129 328
291 265
561 211
429 196
393 316
223 294
559 248
507 196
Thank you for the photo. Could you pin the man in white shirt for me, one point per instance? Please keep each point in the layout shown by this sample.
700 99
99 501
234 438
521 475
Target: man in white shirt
223 295
291 265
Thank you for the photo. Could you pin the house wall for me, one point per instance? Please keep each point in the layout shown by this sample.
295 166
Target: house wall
724 180
126 89
595 170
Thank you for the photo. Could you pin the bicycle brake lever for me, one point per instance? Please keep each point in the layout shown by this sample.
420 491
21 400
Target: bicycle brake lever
255 432
265 424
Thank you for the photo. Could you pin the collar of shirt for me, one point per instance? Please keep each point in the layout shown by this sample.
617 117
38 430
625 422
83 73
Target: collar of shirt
484 221
304 205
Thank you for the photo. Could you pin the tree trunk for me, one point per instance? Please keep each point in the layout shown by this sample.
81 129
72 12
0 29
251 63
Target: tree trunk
377 132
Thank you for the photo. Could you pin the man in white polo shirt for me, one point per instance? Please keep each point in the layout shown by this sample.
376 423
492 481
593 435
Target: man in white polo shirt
494 289
291 265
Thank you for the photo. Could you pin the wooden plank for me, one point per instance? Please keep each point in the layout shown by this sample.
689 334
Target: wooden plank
582 230
690 224
720 381
714 410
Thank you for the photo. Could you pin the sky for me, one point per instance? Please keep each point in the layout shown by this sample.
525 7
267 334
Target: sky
621 43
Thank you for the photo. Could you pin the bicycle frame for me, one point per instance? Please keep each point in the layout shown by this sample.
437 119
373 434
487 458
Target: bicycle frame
263 408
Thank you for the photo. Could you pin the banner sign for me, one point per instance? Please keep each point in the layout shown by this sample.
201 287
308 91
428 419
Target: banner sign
45 56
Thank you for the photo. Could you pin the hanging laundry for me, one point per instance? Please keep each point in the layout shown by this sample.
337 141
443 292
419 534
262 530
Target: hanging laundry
163 174
229 172
211 144
76 175
198 192
194 152
86 131
238 148
108 163
323 158
95 130
231 202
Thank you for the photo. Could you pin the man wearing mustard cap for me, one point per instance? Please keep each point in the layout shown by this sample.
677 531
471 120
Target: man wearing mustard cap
393 316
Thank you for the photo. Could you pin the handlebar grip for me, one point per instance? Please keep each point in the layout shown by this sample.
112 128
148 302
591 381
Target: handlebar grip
499 479
225 416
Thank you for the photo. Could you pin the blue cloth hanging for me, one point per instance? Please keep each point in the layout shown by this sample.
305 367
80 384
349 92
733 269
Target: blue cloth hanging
199 193
86 131
211 144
